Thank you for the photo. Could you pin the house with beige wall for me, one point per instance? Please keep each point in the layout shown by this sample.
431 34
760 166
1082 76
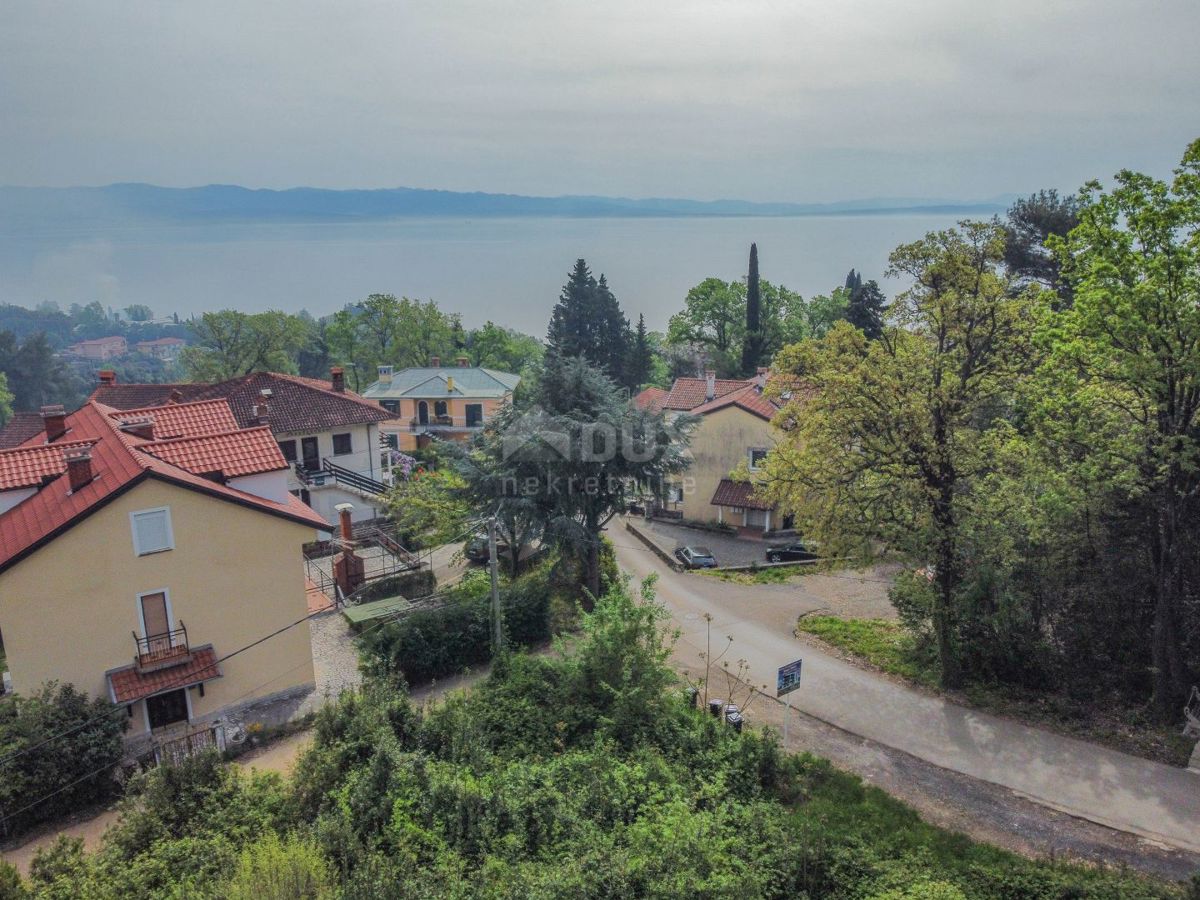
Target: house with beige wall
143 554
734 434
436 401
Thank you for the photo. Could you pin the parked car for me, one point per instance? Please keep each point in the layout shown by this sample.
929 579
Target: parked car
476 549
792 552
696 557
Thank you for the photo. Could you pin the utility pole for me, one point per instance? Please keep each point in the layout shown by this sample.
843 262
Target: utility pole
493 566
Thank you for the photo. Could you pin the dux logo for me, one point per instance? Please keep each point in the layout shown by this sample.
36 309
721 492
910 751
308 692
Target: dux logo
533 436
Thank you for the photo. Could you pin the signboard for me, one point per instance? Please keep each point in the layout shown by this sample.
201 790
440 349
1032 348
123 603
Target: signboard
788 678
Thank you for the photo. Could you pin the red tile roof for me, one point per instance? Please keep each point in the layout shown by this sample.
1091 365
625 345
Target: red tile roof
128 684
738 493
688 393
32 466
172 420
651 399
119 462
749 398
232 453
20 428
296 404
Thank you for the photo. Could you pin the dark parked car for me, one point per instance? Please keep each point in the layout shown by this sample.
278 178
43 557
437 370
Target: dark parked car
696 557
476 549
792 552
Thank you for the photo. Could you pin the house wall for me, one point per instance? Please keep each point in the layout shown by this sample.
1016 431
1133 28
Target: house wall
69 611
456 407
364 459
719 444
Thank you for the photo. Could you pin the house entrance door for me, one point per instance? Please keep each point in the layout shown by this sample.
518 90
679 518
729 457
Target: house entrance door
310 455
167 709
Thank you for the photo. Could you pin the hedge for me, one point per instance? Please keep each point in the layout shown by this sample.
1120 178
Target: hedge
435 643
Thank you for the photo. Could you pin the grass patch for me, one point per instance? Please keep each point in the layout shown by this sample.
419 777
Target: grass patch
774 574
885 645
1109 721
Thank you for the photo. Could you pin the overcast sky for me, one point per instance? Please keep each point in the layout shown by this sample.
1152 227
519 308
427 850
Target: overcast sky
756 99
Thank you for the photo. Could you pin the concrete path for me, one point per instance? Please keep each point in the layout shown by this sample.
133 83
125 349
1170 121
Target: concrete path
1149 799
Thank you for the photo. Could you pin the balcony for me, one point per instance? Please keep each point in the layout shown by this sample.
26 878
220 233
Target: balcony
444 423
161 651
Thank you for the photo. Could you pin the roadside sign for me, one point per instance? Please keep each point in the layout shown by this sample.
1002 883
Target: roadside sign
788 678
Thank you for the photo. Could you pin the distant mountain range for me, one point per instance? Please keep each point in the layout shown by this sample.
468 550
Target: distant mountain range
24 207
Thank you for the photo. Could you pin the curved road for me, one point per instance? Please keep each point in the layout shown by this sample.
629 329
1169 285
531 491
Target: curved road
1145 798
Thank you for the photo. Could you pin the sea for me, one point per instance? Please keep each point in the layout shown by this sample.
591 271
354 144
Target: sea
509 271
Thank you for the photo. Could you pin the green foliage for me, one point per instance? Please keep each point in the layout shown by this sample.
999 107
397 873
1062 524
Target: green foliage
495 347
35 376
6 400
11 885
275 869
587 323
65 774
386 330
886 645
639 367
444 641
230 343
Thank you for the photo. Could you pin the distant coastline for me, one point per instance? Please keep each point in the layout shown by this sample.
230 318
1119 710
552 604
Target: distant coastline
230 204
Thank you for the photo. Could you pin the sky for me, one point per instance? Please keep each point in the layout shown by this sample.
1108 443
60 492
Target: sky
750 99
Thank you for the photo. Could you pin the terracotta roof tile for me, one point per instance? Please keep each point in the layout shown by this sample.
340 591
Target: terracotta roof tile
232 453
128 684
749 398
172 420
738 493
32 466
651 399
688 393
20 428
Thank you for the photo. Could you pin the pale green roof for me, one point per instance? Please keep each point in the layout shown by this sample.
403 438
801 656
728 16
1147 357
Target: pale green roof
473 381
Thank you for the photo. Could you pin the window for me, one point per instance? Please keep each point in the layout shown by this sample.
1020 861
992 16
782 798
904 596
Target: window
341 444
439 408
474 414
392 406
152 531
391 440
758 456
288 448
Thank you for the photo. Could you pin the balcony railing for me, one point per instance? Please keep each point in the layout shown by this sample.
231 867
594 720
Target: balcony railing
158 651
439 422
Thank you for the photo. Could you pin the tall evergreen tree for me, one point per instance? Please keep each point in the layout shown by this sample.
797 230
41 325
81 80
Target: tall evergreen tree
752 346
640 364
866 305
587 322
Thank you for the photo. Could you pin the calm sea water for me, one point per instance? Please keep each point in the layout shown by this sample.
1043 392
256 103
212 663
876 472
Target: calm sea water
506 270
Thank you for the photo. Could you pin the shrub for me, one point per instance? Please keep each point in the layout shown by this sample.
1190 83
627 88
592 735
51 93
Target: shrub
59 776
274 869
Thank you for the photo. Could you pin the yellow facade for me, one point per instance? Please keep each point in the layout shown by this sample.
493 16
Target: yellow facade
408 413
720 443
69 611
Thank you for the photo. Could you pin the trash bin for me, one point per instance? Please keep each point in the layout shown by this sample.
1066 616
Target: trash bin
732 709
734 720
716 707
693 697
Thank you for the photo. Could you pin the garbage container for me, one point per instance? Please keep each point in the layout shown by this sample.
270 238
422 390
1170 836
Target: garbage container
734 720
732 709
693 697
716 707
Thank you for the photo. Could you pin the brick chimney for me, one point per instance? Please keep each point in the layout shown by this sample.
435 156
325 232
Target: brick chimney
464 362
140 426
348 570
710 384
107 376
262 413
176 396
385 374
337 377
54 419
435 362
79 467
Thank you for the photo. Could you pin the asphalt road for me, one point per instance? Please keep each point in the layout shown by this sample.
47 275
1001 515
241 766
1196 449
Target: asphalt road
1158 803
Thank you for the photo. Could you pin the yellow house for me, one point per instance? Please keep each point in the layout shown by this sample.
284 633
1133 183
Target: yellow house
734 433
153 558
446 402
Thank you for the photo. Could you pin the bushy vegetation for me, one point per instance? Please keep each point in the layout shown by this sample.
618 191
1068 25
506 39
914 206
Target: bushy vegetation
581 775
434 643
69 772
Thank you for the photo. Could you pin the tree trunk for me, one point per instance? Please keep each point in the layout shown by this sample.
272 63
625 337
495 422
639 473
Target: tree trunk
593 574
947 582
1170 670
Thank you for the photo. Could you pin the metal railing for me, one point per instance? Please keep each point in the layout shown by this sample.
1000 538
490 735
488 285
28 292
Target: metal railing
354 479
156 651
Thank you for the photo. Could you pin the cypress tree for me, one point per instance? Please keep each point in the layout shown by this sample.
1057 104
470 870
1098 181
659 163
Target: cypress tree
752 344
641 358
865 307
587 322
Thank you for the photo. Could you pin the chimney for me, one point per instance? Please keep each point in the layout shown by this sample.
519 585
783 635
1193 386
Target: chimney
261 413
79 467
347 527
385 374
435 362
107 376
139 426
464 362
54 418
337 376
710 384
450 385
